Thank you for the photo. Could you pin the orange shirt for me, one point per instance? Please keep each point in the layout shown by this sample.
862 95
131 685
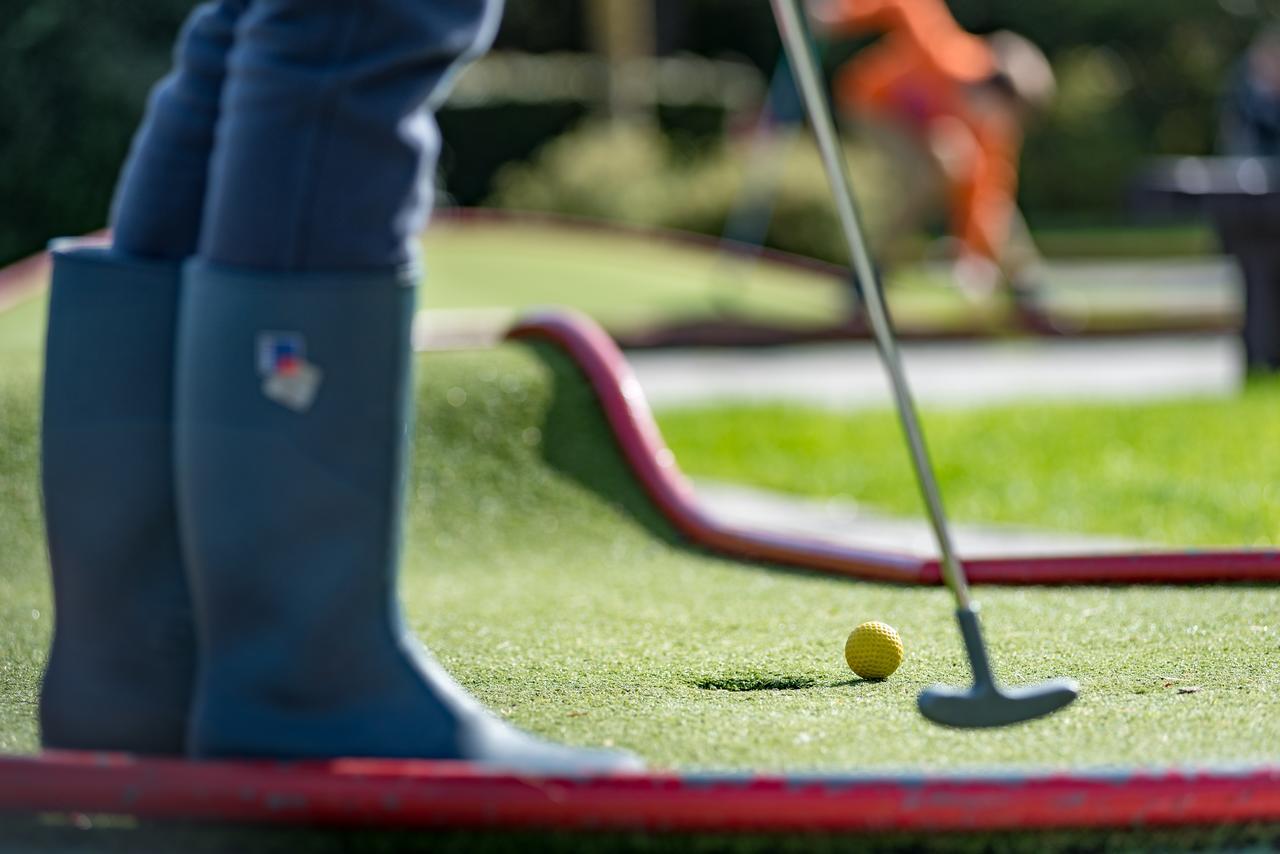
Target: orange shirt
918 76
925 28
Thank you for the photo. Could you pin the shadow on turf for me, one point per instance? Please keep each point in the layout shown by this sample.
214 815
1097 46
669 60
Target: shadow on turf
773 683
579 443
754 683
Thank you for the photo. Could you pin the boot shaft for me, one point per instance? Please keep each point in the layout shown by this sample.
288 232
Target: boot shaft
292 436
122 660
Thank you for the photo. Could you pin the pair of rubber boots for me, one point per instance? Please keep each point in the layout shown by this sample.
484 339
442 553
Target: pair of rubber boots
223 465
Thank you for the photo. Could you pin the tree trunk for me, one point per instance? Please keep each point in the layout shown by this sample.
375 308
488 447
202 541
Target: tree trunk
622 31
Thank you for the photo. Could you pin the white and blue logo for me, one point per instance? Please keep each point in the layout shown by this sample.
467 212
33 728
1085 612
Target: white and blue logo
287 377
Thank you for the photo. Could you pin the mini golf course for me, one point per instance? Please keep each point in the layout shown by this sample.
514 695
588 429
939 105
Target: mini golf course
545 572
679 289
658 288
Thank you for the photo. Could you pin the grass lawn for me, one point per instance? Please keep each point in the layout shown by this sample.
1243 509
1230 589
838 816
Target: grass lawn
1126 240
22 336
548 264
632 281
629 281
1184 473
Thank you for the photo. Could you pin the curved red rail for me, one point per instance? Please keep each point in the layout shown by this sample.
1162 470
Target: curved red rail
23 278
398 793
654 465
30 275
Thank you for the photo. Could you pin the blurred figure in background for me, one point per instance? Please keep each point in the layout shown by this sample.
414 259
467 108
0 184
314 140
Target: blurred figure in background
956 105
1250 125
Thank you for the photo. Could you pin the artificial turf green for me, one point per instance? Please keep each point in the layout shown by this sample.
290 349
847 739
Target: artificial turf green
1191 472
25 614
22 335
546 264
542 578
632 281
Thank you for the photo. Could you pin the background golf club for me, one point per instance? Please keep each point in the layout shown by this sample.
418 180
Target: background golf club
986 703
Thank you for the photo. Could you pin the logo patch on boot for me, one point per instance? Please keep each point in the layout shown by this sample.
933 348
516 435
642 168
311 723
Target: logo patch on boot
287 377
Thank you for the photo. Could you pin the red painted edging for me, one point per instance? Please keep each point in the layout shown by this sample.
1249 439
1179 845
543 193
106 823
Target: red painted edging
654 465
30 275
22 278
393 793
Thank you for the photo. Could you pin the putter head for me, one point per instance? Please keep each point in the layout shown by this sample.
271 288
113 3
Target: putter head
987 704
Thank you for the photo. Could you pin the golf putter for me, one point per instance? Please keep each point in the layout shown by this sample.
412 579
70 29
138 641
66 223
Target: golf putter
986 703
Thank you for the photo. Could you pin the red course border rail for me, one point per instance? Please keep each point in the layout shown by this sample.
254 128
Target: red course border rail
30 275
23 278
398 793
654 465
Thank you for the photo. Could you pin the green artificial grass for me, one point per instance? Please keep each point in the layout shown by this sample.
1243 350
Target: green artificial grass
22 335
1118 240
1195 472
632 281
25 612
626 280
541 577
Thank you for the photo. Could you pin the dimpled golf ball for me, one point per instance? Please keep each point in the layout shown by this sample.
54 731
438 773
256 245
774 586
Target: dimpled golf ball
873 650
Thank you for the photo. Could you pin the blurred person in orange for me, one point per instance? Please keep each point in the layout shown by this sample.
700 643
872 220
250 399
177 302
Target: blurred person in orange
962 102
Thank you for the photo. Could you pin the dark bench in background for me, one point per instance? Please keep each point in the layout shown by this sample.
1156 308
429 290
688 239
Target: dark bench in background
1241 196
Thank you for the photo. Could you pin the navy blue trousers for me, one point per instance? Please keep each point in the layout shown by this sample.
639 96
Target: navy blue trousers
296 134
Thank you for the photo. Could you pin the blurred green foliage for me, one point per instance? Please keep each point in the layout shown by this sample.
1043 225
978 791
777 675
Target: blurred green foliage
76 73
1137 79
638 175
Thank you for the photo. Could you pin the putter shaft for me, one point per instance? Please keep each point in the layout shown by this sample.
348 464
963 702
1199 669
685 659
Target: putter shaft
795 39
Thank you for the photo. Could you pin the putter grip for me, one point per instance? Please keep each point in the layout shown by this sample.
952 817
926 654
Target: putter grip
971 631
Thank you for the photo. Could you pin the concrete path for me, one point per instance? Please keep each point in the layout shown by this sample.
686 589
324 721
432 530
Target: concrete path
849 376
1208 285
846 522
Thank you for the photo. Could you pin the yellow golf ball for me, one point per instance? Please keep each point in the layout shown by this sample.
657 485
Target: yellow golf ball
873 650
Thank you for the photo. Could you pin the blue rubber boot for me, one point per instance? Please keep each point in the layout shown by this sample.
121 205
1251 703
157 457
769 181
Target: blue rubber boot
293 409
120 671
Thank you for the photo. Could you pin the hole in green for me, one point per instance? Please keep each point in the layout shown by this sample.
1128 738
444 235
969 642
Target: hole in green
755 683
